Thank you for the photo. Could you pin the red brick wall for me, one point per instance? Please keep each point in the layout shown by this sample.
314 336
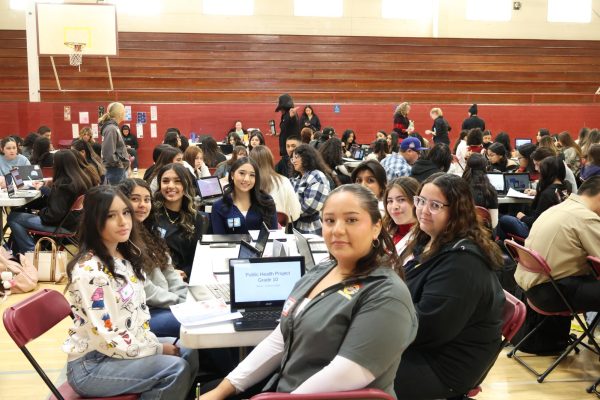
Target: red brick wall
520 121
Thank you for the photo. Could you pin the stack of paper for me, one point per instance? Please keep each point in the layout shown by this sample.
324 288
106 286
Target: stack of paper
513 193
196 313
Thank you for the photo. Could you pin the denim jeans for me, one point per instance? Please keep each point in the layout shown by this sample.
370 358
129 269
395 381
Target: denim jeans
154 377
510 224
133 153
163 323
114 175
19 222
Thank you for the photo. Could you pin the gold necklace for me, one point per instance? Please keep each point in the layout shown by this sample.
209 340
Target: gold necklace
169 217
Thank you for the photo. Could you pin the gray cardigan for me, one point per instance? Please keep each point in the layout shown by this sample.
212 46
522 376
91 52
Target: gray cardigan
164 287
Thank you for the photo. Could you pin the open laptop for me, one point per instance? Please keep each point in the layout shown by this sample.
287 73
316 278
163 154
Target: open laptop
14 185
305 250
227 240
497 181
31 173
518 181
358 153
210 189
520 142
259 288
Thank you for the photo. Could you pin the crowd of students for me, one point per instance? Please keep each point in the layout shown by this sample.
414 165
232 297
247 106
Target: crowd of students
406 250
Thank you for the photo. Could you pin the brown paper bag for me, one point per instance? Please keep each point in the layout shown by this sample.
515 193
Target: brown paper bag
51 265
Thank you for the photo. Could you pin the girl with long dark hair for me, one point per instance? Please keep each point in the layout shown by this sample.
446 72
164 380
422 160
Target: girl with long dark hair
212 154
500 159
110 335
484 194
244 205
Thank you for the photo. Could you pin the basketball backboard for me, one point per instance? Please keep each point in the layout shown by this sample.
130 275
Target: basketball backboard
93 25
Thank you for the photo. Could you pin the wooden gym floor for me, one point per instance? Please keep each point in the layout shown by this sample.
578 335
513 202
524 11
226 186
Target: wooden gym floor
507 380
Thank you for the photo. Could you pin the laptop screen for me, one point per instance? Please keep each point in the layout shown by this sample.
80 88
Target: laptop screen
263 281
17 180
31 172
304 249
358 154
209 187
519 142
497 181
263 238
247 250
10 187
518 182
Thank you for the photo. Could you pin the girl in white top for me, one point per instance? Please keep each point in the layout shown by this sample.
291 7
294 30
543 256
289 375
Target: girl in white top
111 349
193 158
279 187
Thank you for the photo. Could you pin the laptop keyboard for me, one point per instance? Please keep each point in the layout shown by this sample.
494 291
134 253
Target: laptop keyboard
262 315
319 247
220 290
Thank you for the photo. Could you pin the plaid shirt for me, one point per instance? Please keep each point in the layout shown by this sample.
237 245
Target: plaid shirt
395 166
312 189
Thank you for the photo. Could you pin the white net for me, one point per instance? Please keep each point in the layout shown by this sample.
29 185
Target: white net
76 53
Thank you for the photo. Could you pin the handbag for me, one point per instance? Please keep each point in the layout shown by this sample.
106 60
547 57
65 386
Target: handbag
25 276
50 265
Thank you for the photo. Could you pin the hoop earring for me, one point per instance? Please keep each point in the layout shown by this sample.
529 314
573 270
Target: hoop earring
375 243
139 252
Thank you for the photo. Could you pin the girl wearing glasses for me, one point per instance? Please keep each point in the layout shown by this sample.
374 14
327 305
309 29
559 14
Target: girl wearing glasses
453 285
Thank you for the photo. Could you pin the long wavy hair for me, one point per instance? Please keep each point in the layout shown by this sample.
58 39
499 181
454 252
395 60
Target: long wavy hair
89 170
188 211
268 176
158 251
409 187
380 148
166 156
383 254
90 155
551 168
96 207
475 175
462 222
68 172
312 160
259 199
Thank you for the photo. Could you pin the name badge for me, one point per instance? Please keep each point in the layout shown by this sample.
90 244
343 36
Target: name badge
234 222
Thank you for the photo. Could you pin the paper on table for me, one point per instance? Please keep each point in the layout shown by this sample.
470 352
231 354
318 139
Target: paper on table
216 320
197 312
513 193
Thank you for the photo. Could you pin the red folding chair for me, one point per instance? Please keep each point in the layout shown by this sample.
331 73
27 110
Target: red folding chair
360 394
513 317
595 264
533 262
31 318
61 236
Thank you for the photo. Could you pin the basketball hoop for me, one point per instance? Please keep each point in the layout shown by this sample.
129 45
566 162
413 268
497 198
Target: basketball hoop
76 53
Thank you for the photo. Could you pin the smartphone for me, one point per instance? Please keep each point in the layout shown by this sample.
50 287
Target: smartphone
272 127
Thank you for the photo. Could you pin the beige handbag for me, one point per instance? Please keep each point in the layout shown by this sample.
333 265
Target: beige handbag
51 265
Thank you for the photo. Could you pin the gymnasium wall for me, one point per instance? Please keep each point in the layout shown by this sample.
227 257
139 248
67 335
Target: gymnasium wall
520 121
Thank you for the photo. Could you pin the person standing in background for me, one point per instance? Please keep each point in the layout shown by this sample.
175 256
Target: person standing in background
132 145
440 128
114 152
402 125
309 119
473 121
289 125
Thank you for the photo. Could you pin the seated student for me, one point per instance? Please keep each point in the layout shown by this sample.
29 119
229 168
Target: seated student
552 189
526 164
284 166
437 159
484 194
348 139
256 139
212 153
399 210
224 168
234 139
332 311
307 135
41 154
172 138
278 187
194 157
461 149
312 187
132 145
332 152
164 285
571 152
69 182
87 136
244 206
28 142
487 140
399 164
565 235
10 157
453 285
499 159
504 138
544 152
177 220
155 154
47 133
111 349
90 156
474 142
380 150
371 174
167 156
87 168
592 166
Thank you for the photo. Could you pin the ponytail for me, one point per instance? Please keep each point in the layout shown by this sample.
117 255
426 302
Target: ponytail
111 112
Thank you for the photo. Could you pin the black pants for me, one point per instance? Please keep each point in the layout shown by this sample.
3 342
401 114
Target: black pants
583 292
415 380
133 152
